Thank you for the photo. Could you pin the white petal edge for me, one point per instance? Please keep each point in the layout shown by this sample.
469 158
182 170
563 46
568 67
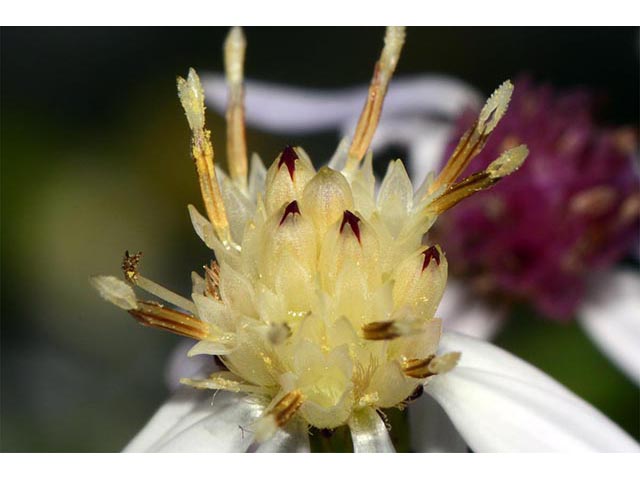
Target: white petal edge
369 433
194 421
179 405
611 317
500 403
286 109
461 312
431 428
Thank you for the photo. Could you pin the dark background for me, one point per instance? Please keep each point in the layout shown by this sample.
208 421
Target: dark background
95 160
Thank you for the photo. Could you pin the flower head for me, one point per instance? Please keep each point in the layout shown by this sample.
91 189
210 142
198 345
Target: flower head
573 208
321 299
322 295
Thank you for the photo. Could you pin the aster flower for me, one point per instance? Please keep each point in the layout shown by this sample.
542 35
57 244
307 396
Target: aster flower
321 300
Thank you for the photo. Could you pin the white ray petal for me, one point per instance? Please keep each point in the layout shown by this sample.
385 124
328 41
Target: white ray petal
286 109
293 439
462 312
431 428
220 423
369 433
182 402
501 404
201 421
611 317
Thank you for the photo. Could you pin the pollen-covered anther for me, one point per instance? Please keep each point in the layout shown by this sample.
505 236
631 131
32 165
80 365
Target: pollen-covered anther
473 141
505 165
155 315
130 266
432 365
291 209
288 158
353 221
430 254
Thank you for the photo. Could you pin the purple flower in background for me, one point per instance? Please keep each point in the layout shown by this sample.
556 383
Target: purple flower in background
570 211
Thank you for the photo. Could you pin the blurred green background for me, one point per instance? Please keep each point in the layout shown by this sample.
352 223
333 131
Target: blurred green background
95 161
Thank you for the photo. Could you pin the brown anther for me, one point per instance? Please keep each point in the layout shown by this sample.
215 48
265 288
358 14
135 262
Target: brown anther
155 315
287 407
353 221
130 266
461 190
212 281
471 143
418 367
380 331
290 209
430 253
288 157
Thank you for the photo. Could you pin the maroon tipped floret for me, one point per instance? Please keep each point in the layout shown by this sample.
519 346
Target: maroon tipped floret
291 209
288 158
430 253
353 222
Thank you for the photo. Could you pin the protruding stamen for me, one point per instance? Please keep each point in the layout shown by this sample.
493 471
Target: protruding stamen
430 253
153 315
279 415
130 269
291 209
234 50
506 164
288 157
418 368
380 331
192 99
287 407
432 365
474 139
390 329
353 221
386 65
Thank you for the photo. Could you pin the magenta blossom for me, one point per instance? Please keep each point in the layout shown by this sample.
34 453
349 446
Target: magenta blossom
572 209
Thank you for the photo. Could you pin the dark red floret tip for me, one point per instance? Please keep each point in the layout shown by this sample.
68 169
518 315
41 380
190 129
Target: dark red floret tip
353 222
288 158
291 209
430 253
